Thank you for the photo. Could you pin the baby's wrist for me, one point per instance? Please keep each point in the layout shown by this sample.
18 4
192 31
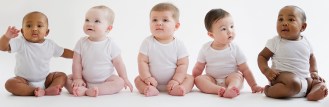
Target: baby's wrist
176 81
146 78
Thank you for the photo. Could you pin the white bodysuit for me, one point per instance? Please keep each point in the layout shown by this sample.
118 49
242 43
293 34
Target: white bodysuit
163 58
96 58
221 63
32 59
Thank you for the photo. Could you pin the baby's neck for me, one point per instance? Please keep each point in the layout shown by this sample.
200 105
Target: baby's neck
164 40
96 39
218 46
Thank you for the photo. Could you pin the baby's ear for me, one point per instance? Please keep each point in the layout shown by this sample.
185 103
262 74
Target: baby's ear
110 28
210 34
47 33
177 25
303 27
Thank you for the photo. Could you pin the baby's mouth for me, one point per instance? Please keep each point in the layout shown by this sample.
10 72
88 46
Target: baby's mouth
285 30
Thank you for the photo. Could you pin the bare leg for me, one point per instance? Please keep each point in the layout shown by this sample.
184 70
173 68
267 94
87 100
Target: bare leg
145 89
112 85
208 85
234 82
184 88
54 83
285 85
19 86
318 91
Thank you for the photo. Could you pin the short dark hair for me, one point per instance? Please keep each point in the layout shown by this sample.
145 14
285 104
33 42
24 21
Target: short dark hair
214 15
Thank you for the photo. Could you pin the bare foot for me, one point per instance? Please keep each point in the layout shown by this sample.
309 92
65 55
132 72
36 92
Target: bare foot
54 90
151 91
318 92
266 89
231 93
92 92
38 92
177 91
79 91
221 91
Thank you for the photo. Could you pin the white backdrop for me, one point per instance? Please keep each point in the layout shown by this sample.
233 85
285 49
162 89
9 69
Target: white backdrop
255 22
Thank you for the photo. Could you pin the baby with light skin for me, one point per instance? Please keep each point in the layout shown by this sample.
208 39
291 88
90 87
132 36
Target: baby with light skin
223 61
95 58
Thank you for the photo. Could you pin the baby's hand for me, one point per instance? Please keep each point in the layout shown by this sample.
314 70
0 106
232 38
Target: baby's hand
315 76
271 74
256 89
78 83
151 81
171 84
11 32
127 83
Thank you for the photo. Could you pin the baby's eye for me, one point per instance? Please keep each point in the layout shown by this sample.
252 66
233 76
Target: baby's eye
40 26
291 19
87 20
280 19
232 26
223 29
97 21
154 20
165 20
28 26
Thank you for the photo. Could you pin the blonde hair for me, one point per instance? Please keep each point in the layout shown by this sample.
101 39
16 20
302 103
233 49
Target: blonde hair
110 14
167 7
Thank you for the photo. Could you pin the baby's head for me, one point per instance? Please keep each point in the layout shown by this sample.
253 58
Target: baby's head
35 27
161 7
220 26
164 20
291 22
99 21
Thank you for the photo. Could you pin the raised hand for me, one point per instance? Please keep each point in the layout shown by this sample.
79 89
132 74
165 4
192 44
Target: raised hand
11 32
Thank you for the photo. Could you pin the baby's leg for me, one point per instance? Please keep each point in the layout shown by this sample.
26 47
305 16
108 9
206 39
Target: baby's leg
55 82
234 82
318 91
286 84
112 85
183 88
145 89
19 86
208 85
68 84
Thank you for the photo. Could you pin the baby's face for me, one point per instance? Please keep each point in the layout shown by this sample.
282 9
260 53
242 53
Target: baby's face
35 27
96 23
222 31
162 24
289 23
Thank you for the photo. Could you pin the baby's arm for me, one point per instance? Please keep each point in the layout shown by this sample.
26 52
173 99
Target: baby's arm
180 73
144 70
313 69
250 78
198 69
77 71
67 53
121 69
11 32
263 57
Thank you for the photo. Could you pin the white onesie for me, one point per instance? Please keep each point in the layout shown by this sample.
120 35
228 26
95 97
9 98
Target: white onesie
221 63
163 57
32 59
97 58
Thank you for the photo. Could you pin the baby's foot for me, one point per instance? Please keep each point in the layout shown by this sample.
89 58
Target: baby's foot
231 93
177 91
318 92
54 90
79 91
266 89
38 92
151 91
221 91
92 92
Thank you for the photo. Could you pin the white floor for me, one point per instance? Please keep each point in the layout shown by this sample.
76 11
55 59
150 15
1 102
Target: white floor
127 99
